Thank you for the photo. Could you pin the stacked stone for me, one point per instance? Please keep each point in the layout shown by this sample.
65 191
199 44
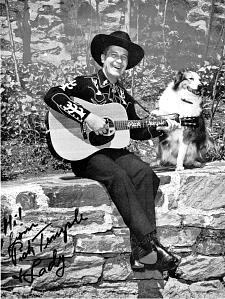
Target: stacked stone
51 40
73 235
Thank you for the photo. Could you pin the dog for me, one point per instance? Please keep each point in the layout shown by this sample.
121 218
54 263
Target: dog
184 146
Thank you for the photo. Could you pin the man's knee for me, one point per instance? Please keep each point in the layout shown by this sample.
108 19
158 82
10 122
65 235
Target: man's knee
147 174
120 177
146 171
119 185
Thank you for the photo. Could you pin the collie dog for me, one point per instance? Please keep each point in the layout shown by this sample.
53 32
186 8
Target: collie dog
184 146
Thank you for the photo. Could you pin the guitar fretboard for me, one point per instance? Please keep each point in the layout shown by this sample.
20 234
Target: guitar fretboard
134 124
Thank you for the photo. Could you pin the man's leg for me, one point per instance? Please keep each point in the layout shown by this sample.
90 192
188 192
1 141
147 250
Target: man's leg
122 192
146 185
145 181
129 201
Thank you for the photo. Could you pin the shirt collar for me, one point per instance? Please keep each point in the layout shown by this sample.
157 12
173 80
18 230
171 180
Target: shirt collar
103 81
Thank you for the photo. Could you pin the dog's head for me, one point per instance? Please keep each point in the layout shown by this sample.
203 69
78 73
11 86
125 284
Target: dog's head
186 79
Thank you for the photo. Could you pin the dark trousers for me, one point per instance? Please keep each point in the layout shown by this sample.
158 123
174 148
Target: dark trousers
131 183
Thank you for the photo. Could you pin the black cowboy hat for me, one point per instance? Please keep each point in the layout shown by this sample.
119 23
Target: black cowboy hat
118 38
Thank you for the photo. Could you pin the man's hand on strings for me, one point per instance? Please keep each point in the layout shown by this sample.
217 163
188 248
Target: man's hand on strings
97 124
171 124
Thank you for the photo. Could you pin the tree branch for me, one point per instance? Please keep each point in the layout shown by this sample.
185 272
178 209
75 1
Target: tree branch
12 42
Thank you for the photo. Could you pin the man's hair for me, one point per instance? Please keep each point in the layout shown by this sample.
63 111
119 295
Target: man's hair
106 50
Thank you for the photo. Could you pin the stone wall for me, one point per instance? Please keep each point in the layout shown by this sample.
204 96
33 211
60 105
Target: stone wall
63 237
57 28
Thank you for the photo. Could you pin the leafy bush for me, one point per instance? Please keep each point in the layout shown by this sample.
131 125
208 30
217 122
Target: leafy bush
213 79
24 147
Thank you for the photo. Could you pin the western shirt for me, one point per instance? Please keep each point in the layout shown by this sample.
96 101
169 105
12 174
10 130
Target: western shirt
96 89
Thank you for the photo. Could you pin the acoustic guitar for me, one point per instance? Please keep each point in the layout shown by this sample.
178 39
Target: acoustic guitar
73 141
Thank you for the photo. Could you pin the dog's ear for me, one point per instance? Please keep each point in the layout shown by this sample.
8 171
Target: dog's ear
180 76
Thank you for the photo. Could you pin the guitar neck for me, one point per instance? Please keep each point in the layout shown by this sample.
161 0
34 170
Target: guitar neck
135 124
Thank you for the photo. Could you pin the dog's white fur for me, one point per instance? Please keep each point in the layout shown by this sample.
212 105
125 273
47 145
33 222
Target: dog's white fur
182 146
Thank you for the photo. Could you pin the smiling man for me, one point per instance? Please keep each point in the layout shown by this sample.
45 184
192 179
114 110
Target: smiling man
131 183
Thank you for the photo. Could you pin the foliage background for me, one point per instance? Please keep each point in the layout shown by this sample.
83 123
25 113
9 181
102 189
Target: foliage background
46 43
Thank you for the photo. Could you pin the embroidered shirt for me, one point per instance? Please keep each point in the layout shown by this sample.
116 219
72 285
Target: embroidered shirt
98 90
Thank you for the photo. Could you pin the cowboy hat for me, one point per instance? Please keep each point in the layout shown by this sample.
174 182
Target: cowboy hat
118 38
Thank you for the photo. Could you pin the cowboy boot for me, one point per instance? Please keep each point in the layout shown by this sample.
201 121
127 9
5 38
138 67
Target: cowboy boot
141 253
135 264
151 253
166 261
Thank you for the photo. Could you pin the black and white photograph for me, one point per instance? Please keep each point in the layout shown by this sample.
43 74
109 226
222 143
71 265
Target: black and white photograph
112 149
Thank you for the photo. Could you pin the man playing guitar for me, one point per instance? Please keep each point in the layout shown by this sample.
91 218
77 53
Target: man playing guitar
131 183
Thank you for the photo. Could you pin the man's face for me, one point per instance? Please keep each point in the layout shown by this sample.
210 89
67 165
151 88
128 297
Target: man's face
114 62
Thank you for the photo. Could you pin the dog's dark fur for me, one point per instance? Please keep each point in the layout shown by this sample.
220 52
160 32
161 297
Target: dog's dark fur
183 146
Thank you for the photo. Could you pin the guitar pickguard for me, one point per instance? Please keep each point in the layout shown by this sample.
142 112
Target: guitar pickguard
98 140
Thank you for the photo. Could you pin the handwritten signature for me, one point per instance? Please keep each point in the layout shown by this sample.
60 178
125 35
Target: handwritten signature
17 247
28 275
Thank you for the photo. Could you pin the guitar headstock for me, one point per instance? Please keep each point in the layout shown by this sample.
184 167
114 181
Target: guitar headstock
189 121
184 121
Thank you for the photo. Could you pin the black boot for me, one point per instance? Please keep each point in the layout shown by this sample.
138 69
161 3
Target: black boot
151 253
142 252
166 261
135 264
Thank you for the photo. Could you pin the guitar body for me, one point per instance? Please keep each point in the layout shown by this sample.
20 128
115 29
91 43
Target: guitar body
69 141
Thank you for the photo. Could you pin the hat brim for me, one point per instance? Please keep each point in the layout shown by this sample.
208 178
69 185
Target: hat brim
101 41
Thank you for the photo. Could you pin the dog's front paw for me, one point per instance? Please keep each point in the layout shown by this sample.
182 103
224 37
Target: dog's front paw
179 168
